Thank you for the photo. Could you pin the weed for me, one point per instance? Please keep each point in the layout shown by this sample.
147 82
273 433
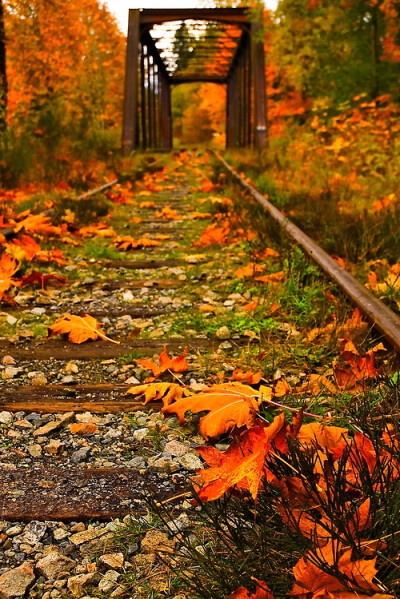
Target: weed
100 250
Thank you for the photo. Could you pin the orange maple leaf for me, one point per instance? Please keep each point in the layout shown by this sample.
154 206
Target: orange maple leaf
24 248
99 230
130 243
8 267
213 235
242 465
207 186
248 377
167 392
359 368
250 270
78 328
251 306
311 581
230 406
37 223
262 592
178 364
275 277
168 214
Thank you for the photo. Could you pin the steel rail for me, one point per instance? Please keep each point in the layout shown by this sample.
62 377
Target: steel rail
374 309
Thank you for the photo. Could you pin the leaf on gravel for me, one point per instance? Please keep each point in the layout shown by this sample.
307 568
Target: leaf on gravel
178 364
41 279
229 406
78 328
127 242
167 392
99 230
168 213
249 377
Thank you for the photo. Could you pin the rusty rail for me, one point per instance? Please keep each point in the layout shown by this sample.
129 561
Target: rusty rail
374 309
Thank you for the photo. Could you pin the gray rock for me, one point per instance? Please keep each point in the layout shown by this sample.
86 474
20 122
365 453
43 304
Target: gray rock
109 581
223 333
81 455
33 533
140 434
175 448
164 464
190 461
13 531
53 563
137 462
112 561
76 584
59 534
6 418
34 450
16 582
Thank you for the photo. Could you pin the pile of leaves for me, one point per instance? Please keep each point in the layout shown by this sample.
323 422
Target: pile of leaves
331 492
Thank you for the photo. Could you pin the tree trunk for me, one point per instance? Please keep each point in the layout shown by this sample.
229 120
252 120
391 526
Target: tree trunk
3 73
375 52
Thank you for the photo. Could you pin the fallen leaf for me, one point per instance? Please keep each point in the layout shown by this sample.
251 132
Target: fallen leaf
250 270
168 214
262 592
213 235
178 364
251 306
8 267
130 243
99 230
37 223
242 465
310 579
78 328
229 406
167 392
42 279
275 277
248 377
282 388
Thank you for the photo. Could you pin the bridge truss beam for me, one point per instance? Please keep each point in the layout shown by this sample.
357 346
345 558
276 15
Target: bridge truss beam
148 80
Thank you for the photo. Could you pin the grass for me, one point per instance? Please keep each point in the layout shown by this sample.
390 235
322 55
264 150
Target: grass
100 250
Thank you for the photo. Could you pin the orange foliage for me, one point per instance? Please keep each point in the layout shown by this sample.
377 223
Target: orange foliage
71 53
229 406
78 328
178 364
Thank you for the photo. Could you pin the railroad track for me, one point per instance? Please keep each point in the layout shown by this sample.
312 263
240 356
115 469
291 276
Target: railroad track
48 472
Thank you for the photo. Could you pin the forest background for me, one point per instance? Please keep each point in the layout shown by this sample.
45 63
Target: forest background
62 75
